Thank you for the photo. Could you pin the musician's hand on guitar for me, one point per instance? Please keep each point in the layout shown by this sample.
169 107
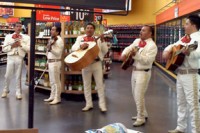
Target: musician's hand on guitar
84 46
16 44
133 53
102 38
166 55
186 51
48 48
123 57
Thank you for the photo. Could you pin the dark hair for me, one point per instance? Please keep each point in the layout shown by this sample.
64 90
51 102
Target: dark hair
58 29
91 25
151 29
195 20
17 23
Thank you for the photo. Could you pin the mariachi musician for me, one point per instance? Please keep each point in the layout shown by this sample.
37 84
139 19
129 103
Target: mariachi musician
54 53
141 73
16 45
94 69
187 77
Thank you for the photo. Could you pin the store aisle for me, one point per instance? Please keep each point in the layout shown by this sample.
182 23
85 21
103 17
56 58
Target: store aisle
68 118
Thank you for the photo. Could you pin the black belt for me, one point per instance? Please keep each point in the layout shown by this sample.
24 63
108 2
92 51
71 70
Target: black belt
97 59
199 71
135 69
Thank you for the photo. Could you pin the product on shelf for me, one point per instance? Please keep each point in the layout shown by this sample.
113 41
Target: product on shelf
125 35
167 33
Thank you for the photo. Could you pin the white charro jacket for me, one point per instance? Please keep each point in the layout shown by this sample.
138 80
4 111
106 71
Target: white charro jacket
191 61
21 51
103 48
56 49
145 56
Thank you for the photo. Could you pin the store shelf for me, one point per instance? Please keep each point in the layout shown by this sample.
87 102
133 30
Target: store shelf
71 36
40 53
7 29
3 62
78 92
42 70
45 37
3 54
165 70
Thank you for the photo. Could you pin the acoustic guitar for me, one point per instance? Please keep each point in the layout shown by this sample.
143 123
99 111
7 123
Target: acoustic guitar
177 57
129 60
79 59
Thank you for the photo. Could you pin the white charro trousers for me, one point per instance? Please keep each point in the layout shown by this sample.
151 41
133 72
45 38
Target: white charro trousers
14 68
188 102
140 81
96 70
55 80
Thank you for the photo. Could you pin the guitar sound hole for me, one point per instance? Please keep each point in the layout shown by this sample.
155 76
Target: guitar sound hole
74 56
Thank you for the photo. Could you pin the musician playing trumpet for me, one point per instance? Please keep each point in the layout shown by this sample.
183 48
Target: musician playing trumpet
94 69
143 60
187 77
16 45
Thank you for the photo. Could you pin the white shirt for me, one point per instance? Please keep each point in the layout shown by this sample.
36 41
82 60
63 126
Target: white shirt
145 57
191 61
25 45
103 47
56 49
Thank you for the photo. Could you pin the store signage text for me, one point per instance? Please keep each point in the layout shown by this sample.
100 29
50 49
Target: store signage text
47 17
81 14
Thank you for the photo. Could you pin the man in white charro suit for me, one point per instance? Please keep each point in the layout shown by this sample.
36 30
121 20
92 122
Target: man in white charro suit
16 45
187 78
141 73
54 53
94 69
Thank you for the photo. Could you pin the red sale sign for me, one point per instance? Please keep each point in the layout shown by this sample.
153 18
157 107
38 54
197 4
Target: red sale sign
49 16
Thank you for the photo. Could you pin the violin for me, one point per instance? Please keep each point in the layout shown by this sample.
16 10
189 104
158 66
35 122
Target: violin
51 42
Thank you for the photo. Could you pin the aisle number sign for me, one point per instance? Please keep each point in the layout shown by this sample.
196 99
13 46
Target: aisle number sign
78 14
48 16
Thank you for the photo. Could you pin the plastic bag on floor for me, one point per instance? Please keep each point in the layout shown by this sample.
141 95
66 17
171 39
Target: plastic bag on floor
111 128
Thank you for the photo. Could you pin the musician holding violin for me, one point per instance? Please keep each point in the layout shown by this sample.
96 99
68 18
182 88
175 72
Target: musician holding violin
187 77
143 50
16 45
95 68
54 53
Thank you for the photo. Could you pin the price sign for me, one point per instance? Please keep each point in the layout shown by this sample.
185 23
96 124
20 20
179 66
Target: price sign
78 15
98 17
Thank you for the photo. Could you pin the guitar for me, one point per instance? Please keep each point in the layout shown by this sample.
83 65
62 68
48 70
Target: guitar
79 59
177 57
129 60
